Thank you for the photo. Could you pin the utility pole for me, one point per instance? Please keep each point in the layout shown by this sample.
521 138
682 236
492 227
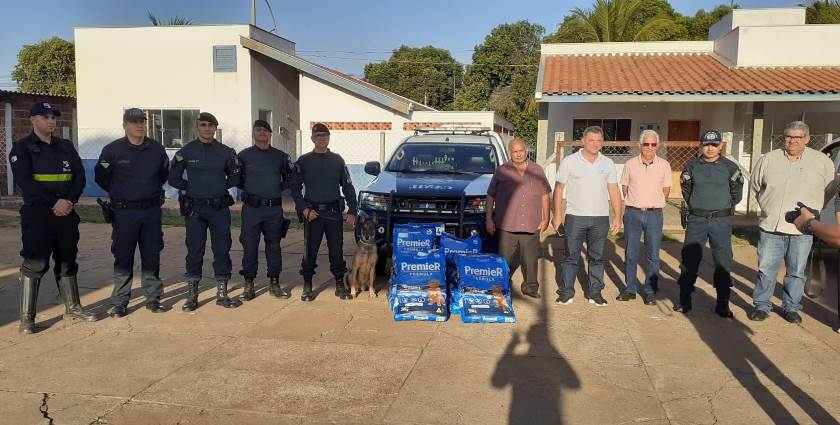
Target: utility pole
254 12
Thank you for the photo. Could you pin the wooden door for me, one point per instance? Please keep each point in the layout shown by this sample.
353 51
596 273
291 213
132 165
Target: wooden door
682 131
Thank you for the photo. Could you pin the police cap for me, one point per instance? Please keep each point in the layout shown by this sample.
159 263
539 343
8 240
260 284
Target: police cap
133 115
262 124
320 129
208 117
711 137
43 109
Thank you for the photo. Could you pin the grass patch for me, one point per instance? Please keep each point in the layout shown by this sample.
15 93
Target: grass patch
93 214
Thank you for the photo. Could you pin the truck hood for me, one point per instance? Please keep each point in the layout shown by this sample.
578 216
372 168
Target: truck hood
447 185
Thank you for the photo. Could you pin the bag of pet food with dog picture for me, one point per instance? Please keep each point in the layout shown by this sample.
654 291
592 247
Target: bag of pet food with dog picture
429 305
484 285
481 307
452 245
418 287
411 238
481 271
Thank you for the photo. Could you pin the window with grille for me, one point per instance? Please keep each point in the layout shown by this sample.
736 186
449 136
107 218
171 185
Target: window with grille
615 130
171 127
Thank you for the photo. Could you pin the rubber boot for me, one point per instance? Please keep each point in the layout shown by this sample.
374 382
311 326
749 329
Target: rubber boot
28 301
307 294
68 289
722 303
248 291
192 296
341 289
222 296
277 290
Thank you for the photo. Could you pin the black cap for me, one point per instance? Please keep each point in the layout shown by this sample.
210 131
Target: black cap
133 115
320 128
262 124
711 137
42 109
208 117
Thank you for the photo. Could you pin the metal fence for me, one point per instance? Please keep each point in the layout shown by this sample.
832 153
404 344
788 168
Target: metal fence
4 164
818 141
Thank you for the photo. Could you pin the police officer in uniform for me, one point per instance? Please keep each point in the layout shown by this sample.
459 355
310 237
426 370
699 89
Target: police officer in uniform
265 173
132 170
704 182
50 173
210 168
322 173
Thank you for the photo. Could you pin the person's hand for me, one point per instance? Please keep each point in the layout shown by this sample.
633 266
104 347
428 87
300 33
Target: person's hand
350 219
616 226
62 208
490 226
309 214
557 221
804 215
543 225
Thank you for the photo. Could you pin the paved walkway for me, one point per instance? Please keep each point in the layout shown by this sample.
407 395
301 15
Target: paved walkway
284 361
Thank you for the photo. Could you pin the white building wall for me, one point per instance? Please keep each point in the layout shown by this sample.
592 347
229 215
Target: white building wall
159 67
275 88
320 101
776 16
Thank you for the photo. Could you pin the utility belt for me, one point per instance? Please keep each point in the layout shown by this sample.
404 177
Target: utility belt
258 202
188 204
118 204
336 206
711 213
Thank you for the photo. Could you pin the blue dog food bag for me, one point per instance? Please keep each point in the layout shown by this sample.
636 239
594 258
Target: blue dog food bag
452 245
418 287
482 271
484 285
411 238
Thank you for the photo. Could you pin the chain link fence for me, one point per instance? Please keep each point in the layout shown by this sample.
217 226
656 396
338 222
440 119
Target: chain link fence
4 164
818 141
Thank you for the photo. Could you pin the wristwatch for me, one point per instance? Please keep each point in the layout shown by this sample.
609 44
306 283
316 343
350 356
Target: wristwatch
806 228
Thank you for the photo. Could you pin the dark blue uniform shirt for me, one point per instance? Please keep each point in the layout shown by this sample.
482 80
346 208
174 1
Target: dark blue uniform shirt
132 172
322 174
211 169
712 186
265 172
47 172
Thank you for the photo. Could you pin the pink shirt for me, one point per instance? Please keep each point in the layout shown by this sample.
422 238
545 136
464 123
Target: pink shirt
518 205
645 182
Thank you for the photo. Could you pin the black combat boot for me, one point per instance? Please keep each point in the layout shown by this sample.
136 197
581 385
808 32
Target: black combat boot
722 303
28 301
277 290
222 296
192 296
248 290
68 289
341 289
307 294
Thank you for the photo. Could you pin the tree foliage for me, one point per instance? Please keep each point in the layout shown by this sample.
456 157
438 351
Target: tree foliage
503 75
174 21
822 12
47 67
423 74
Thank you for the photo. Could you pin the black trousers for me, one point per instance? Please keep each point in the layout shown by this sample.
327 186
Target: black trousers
329 223
259 222
521 250
130 229
718 231
44 235
217 221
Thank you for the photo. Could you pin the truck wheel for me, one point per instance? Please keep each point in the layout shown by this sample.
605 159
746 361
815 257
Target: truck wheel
381 265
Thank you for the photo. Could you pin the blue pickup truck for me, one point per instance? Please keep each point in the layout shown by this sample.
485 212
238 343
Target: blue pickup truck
433 176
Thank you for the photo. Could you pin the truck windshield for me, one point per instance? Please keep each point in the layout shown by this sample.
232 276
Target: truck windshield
443 159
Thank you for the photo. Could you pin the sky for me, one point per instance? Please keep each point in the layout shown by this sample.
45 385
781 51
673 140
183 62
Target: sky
342 34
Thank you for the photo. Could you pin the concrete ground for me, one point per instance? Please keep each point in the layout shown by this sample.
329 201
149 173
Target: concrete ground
284 361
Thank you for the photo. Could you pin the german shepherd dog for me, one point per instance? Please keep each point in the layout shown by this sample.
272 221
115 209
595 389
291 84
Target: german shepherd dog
363 272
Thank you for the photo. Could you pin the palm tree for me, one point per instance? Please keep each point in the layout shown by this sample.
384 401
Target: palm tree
177 20
822 12
619 20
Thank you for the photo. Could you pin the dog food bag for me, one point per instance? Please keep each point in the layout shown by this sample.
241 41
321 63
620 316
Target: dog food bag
452 245
411 238
484 285
481 272
455 300
481 308
417 270
428 306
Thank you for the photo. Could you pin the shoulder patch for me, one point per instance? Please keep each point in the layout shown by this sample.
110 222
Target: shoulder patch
104 164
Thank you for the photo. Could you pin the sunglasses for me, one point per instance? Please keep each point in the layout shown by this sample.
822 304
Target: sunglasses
652 145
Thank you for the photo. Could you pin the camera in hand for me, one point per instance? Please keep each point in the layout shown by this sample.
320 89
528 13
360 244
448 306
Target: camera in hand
791 216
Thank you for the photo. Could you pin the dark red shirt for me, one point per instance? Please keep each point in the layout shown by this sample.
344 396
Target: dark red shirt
518 205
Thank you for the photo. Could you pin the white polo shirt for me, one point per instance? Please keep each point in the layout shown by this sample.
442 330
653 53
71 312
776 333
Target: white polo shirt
586 184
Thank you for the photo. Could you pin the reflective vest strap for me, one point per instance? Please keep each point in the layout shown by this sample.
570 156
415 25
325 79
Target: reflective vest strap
52 177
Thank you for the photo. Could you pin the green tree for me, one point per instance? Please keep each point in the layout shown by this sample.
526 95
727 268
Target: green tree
822 12
425 74
697 26
174 21
620 20
48 66
503 75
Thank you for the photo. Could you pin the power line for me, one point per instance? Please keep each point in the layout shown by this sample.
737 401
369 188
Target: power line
421 62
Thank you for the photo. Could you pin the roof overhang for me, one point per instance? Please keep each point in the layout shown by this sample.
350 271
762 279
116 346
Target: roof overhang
321 73
675 98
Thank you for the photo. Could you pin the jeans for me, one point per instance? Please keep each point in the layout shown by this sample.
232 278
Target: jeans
592 230
772 248
636 223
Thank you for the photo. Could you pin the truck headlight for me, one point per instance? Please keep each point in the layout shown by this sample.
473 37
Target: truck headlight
373 201
476 205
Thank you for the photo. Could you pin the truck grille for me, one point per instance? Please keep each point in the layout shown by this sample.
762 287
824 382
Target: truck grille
426 206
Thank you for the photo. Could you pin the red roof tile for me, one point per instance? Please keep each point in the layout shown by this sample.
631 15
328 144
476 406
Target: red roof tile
653 74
